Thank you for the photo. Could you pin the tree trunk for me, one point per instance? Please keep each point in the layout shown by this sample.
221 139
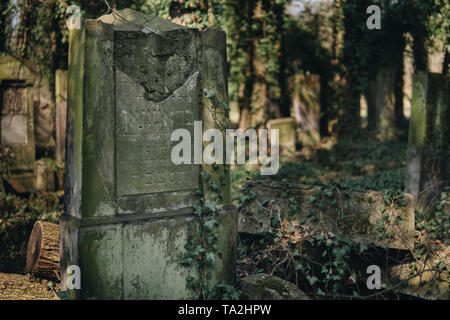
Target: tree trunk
43 250
245 94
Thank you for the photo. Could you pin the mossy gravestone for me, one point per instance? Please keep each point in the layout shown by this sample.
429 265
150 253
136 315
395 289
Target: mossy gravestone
17 122
129 211
428 167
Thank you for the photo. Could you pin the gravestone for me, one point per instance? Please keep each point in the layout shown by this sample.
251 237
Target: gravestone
45 175
17 121
428 165
359 216
381 102
287 134
129 211
306 105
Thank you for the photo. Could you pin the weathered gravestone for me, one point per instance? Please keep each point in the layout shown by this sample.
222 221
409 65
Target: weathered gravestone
428 166
306 105
17 121
364 217
287 134
381 102
133 79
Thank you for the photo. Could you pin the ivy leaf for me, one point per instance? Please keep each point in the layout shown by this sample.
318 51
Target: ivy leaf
205 175
210 224
197 209
214 186
211 258
312 280
211 205
224 105
209 93
186 262
274 221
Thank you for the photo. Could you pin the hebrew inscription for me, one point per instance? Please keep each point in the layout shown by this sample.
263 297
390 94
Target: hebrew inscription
143 137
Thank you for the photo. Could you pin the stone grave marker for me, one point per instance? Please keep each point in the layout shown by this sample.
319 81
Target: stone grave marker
129 211
287 134
17 122
428 165
306 107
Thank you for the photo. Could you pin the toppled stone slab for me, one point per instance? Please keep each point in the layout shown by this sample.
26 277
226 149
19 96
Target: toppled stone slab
269 287
370 216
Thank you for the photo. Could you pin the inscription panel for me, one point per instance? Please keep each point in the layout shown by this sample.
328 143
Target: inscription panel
143 131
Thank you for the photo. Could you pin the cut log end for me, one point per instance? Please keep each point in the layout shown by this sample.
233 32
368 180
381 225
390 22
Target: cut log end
34 247
43 250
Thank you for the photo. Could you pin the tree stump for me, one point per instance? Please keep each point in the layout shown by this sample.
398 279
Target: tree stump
43 250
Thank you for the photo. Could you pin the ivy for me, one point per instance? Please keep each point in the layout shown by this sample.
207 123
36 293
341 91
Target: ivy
201 252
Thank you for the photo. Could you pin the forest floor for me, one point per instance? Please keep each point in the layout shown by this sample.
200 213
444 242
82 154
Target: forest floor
24 287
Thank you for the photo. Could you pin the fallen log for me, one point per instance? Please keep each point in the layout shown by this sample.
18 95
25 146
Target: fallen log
43 250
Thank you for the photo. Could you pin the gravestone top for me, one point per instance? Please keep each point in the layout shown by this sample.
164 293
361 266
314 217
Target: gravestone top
275 122
13 69
132 20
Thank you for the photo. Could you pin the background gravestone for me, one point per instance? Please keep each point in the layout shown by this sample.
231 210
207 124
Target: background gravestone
428 166
306 107
287 134
128 209
17 121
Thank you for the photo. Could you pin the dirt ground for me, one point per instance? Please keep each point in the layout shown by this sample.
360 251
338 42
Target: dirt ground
24 287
